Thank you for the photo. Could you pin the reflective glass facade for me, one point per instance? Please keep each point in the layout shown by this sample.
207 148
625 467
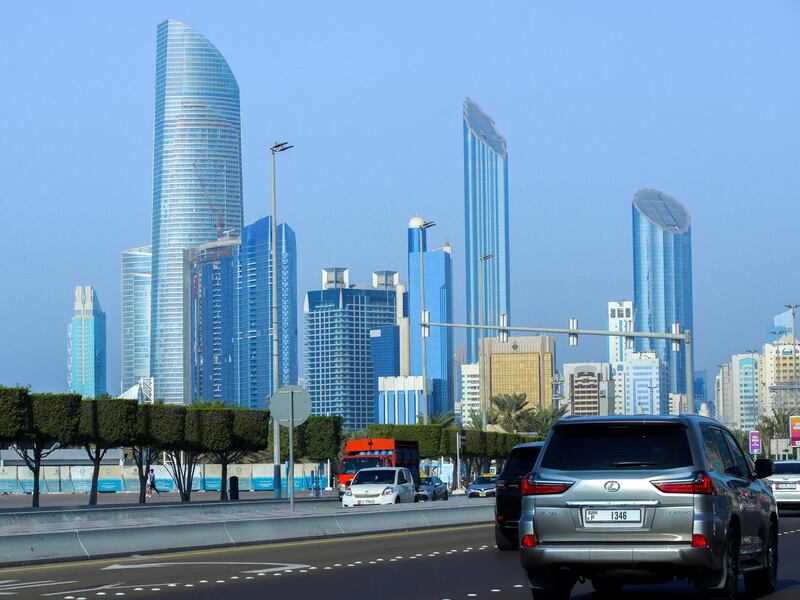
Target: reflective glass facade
662 276
86 345
197 184
486 221
135 300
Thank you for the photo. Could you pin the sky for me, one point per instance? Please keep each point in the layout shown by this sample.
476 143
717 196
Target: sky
596 100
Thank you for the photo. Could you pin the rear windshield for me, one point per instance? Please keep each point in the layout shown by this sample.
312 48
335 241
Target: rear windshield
786 468
484 480
614 446
374 476
520 463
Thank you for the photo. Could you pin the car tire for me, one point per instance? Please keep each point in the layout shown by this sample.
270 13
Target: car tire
607 588
504 541
763 581
730 587
397 499
446 495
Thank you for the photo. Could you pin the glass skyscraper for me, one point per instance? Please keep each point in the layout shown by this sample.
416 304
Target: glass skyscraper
197 184
486 221
135 300
662 276
439 304
86 346
339 370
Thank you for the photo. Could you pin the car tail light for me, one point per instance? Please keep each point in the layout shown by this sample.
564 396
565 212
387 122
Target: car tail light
699 541
500 518
533 487
701 484
528 541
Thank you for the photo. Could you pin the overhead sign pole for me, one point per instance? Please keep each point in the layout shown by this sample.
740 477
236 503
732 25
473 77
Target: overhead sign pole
291 406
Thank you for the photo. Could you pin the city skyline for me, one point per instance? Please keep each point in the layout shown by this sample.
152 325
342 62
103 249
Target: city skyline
554 200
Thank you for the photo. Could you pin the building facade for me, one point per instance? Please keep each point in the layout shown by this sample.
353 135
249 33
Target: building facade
589 389
439 304
745 386
339 372
620 318
642 385
662 276
486 222
400 400
780 376
197 185
723 397
135 316
521 365
86 345
470 392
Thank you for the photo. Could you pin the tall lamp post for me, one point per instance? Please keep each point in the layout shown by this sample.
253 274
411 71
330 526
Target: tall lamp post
423 331
482 374
276 430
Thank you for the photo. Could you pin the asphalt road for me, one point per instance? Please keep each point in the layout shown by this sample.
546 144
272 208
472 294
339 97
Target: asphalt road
429 565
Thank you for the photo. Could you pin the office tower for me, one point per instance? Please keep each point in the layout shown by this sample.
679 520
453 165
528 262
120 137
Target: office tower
662 276
723 397
589 389
439 304
486 222
400 400
338 363
213 328
644 384
254 312
620 318
522 365
470 393
745 386
780 384
701 403
135 300
782 325
86 347
197 185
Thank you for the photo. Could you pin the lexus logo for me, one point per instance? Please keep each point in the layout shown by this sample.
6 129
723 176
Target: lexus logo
612 486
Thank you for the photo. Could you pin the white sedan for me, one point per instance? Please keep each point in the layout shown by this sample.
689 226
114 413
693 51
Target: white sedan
380 485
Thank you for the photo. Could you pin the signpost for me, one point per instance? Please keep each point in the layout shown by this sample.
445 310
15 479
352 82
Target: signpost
755 443
290 406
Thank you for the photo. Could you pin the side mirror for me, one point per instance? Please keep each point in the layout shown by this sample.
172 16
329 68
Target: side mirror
763 468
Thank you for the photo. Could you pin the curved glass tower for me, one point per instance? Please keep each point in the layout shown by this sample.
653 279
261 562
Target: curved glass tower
197 185
662 276
486 221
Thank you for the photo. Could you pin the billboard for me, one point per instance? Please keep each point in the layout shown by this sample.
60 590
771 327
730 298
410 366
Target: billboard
794 431
755 443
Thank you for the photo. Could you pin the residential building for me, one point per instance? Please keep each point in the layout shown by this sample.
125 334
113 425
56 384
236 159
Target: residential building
589 389
400 400
486 222
86 345
643 383
620 318
521 365
439 305
723 397
338 363
662 277
745 385
780 380
197 185
470 392
135 316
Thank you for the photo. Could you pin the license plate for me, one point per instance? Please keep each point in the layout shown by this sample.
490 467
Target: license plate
612 515
784 486
365 501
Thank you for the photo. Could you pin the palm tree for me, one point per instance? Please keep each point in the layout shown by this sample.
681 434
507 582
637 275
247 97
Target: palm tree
542 419
475 419
512 410
773 426
445 420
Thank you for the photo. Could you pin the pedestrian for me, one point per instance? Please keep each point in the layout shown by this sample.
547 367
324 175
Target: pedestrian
151 483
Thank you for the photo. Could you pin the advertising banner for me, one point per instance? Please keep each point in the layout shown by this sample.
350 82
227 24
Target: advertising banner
755 442
8 480
263 477
212 482
245 475
109 479
794 431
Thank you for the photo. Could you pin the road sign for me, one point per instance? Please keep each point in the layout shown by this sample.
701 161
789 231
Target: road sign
755 442
281 408
794 431
779 446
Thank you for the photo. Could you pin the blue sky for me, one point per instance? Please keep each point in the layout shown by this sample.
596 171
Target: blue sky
597 100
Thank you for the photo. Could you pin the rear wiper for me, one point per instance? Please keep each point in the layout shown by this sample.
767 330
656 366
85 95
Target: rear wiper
632 463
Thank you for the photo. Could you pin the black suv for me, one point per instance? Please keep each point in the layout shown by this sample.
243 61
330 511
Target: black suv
508 503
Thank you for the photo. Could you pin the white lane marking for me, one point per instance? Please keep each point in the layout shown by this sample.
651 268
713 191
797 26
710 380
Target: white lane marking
518 585
494 590
10 589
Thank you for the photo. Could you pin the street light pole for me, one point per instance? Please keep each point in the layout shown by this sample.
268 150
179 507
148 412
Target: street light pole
276 430
423 336
482 374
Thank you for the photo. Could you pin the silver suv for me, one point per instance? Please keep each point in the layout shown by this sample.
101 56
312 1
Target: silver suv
646 500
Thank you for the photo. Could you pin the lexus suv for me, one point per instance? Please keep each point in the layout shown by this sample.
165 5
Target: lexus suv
508 499
644 499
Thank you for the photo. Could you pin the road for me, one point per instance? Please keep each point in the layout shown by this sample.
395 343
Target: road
444 564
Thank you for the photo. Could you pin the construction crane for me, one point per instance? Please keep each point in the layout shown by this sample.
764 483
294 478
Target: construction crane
221 213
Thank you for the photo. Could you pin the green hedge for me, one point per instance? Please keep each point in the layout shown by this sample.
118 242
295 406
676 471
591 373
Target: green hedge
53 418
13 412
429 437
107 423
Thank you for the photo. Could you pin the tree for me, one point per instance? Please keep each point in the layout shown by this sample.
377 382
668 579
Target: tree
186 447
774 425
249 433
429 437
168 431
144 447
13 413
475 418
512 410
51 422
105 423
444 420
542 419
323 437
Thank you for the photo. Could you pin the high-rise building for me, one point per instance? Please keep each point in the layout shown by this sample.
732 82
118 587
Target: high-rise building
439 304
723 397
782 325
745 385
135 330
254 311
662 276
339 373
780 378
470 392
641 385
620 318
589 389
486 222
86 345
400 400
701 399
197 185
521 365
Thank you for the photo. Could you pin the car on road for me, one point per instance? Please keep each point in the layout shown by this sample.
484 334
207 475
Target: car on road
647 499
432 488
380 485
508 501
785 482
483 486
